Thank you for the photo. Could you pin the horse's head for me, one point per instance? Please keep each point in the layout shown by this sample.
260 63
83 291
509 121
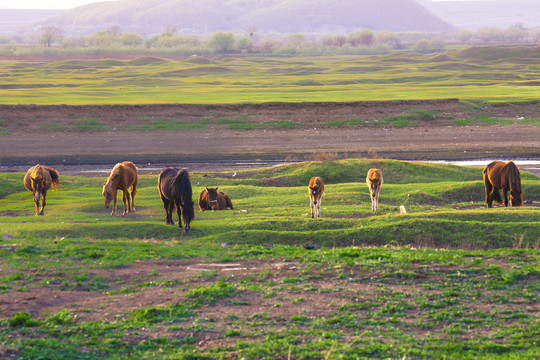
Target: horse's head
108 194
38 182
516 195
212 196
314 190
188 214
516 198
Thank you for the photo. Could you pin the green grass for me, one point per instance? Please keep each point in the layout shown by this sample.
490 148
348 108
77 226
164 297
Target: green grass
449 279
148 123
481 120
275 78
88 125
53 126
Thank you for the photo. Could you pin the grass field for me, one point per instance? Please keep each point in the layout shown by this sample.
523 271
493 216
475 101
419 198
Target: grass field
449 279
478 74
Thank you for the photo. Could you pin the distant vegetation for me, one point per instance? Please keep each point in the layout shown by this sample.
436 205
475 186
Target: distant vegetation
51 41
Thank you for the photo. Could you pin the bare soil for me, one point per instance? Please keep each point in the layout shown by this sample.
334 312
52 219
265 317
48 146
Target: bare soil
26 142
326 295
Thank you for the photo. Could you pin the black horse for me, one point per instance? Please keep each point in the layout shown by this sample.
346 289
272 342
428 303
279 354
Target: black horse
175 190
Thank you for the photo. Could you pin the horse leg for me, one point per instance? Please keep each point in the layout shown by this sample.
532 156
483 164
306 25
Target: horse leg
166 205
133 193
36 202
319 208
43 202
126 202
376 201
170 209
489 191
489 198
506 202
179 212
312 208
113 211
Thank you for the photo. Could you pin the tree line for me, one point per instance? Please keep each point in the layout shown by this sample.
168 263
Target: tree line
362 41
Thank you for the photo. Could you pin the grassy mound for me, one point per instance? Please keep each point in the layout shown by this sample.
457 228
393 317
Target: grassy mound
445 207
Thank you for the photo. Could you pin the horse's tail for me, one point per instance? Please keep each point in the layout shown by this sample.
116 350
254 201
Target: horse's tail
489 188
55 177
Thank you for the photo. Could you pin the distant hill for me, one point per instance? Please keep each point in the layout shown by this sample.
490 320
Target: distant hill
207 16
473 15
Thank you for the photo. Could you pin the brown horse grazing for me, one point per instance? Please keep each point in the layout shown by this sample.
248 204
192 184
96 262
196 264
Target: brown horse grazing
123 177
316 191
175 191
38 180
212 199
501 176
374 180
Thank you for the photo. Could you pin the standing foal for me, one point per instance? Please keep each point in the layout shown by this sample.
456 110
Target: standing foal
374 181
316 191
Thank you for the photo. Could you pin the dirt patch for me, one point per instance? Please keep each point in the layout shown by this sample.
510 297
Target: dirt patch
125 292
293 298
433 139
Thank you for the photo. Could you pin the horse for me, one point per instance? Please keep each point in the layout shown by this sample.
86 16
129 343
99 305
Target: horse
374 180
123 177
316 191
212 199
38 180
175 190
501 176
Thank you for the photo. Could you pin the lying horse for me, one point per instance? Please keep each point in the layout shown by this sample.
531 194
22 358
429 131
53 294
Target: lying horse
38 180
501 176
123 177
175 190
316 191
212 199
374 180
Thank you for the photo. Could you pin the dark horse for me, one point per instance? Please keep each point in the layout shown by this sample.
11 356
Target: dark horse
175 190
503 176
38 180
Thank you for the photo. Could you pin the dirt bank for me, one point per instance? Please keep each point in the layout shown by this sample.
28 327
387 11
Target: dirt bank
29 138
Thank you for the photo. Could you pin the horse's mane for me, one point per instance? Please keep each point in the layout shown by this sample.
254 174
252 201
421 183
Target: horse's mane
115 176
182 186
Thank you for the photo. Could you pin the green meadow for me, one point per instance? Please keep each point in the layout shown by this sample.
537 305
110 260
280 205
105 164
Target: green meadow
449 279
493 74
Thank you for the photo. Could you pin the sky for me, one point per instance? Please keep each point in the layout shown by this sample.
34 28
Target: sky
43 4
58 4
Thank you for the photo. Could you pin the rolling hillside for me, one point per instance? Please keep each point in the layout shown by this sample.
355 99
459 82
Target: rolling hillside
207 16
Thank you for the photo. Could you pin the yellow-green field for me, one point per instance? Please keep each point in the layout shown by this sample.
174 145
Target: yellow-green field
480 74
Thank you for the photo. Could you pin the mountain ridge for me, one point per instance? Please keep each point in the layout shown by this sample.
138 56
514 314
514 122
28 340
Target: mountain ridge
147 17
